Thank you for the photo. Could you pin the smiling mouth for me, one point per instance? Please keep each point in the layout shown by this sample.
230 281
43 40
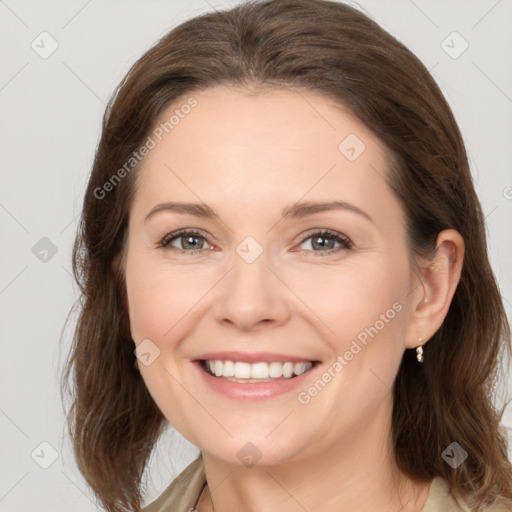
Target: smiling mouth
242 372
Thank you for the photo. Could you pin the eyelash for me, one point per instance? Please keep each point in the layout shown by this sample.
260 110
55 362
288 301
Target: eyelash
326 233
346 243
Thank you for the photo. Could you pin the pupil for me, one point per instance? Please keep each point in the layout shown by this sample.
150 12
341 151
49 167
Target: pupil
189 244
318 239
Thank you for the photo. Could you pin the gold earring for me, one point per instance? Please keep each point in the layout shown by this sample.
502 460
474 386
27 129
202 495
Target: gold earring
419 352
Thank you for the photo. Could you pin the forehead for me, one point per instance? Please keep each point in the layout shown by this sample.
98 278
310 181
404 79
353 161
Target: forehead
257 148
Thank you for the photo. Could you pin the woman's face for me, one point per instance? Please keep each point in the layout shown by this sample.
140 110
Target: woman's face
251 285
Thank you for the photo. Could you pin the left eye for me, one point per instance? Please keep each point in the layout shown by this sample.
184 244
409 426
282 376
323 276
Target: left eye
325 241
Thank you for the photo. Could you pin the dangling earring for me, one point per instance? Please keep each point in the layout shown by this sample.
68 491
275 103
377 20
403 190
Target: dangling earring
419 352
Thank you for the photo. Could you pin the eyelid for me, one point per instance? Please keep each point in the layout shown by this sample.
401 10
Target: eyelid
324 231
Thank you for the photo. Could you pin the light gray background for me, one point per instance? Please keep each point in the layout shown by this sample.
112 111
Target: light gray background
50 124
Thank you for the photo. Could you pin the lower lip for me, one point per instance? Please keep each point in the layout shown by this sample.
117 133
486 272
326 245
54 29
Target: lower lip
252 390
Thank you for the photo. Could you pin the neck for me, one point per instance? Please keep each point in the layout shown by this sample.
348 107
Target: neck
355 473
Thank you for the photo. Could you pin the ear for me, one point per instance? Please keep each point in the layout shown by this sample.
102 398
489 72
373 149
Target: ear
435 287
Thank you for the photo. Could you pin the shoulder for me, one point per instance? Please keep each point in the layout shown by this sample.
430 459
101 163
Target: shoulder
184 491
441 500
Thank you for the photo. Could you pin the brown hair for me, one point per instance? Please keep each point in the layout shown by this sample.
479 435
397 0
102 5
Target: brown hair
336 50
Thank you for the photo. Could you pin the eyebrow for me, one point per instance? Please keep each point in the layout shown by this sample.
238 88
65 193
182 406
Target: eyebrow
302 209
296 210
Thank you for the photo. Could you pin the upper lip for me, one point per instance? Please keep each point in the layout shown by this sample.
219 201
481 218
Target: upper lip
251 357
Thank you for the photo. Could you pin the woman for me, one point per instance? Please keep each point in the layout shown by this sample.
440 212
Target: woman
282 223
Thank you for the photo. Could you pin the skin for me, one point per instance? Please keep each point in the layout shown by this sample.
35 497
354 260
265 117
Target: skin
248 156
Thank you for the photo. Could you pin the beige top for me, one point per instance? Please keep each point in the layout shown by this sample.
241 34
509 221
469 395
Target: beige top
184 492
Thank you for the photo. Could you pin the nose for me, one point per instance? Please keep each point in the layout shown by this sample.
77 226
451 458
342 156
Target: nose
252 296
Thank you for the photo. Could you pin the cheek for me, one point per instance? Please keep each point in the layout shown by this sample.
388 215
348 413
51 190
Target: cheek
363 315
160 297
350 300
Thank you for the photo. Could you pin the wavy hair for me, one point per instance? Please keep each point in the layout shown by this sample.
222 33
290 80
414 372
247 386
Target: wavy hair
336 50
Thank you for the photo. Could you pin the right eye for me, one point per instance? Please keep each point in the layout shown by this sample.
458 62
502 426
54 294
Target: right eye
191 241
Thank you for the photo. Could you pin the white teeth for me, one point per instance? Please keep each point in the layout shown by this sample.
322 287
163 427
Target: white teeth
257 371
300 368
218 368
242 370
229 369
287 370
275 370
